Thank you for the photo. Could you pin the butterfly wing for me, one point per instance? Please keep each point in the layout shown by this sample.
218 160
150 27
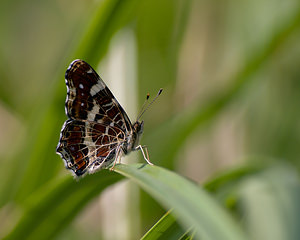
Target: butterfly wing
97 125
88 97
87 146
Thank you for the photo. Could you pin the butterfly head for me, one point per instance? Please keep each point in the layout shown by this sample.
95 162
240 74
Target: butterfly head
138 128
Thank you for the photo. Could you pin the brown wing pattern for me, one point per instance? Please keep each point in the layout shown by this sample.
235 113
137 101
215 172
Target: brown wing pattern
97 126
88 98
88 146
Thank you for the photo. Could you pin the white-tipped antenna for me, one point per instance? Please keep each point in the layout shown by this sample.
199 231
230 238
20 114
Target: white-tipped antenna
144 109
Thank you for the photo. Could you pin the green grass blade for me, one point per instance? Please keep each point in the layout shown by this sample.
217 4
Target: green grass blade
269 203
165 228
108 18
50 210
168 228
193 206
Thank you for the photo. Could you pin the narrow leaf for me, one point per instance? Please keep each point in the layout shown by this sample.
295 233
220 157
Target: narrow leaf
192 205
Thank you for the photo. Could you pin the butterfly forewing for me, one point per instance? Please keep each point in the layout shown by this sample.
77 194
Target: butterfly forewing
98 128
88 98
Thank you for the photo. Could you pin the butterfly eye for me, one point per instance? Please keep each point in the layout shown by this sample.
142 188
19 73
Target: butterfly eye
139 127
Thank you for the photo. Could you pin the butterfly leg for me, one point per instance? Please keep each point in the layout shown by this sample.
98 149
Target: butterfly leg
118 156
147 159
112 168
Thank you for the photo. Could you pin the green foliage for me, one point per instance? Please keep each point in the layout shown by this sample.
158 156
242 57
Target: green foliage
193 206
51 209
251 68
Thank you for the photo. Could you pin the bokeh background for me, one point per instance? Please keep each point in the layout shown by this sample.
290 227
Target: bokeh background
231 79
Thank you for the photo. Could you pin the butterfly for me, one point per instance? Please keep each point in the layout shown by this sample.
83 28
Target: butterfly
98 131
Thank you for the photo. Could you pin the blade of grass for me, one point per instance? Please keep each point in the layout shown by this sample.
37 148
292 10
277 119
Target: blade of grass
165 228
269 203
111 16
51 209
168 228
193 206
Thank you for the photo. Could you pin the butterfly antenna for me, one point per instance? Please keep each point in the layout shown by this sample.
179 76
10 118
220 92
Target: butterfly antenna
144 104
144 109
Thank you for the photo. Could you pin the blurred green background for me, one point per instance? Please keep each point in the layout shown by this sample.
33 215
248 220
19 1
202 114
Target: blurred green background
231 79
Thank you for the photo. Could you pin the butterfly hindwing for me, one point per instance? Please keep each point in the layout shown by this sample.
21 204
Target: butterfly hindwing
88 146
